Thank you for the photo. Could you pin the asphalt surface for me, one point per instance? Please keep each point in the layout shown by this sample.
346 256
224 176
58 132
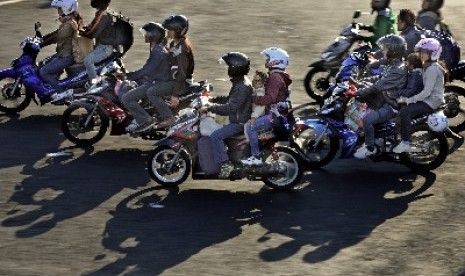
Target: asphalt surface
96 211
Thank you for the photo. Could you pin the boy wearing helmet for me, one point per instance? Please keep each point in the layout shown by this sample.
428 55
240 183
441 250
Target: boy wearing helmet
394 77
182 69
385 22
432 95
429 16
63 37
276 91
155 72
238 108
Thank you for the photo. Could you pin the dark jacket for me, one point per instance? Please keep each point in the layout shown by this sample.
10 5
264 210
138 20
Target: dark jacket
182 58
101 29
411 35
394 77
239 105
63 38
414 84
427 19
156 68
276 89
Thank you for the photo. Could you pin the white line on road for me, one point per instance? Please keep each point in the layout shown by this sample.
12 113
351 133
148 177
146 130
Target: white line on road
3 3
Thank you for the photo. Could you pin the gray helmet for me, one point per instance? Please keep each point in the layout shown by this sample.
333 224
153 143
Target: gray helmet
394 44
379 4
435 5
154 31
238 64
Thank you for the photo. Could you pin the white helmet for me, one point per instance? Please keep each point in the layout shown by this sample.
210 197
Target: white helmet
276 58
437 121
68 6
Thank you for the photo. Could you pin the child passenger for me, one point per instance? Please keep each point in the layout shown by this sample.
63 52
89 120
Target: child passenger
258 85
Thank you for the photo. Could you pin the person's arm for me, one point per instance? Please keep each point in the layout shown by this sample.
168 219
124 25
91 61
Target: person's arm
429 79
49 39
149 67
237 99
414 82
96 26
271 91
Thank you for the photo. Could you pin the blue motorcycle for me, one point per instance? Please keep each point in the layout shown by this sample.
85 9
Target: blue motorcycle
319 137
21 83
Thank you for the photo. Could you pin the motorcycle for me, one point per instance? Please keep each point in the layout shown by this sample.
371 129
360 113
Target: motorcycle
454 97
319 137
323 72
21 83
176 155
87 118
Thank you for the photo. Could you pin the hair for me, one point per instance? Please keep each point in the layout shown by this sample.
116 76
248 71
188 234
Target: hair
407 16
414 60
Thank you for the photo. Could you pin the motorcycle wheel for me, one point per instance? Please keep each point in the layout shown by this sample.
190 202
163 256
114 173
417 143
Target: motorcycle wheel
454 97
293 171
431 150
12 102
159 162
317 82
74 129
316 155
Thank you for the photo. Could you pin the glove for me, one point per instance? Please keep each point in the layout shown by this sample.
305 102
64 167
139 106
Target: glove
351 92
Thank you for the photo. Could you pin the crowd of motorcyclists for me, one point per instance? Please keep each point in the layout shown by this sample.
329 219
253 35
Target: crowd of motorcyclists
407 58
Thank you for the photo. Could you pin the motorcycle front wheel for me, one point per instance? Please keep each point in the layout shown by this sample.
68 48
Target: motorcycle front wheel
13 100
290 169
165 169
83 128
428 150
454 98
317 82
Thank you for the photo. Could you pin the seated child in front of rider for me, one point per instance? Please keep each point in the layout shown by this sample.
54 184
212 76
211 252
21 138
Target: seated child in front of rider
258 84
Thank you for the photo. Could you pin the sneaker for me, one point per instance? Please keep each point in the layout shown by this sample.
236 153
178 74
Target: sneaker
226 169
363 152
132 126
145 126
63 96
403 146
166 123
252 160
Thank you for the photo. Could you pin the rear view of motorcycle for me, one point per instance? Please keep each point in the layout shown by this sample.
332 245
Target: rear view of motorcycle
177 156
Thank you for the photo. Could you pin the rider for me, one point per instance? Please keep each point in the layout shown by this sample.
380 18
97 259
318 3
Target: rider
385 22
69 19
408 30
432 95
394 77
155 72
276 91
430 15
182 69
238 108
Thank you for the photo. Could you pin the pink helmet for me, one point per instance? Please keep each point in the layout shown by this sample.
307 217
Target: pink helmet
431 45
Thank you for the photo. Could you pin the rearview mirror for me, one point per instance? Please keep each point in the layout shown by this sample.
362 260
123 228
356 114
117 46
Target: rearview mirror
357 14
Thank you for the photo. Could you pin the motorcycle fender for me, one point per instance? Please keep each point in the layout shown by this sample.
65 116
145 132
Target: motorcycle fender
165 142
8 73
318 64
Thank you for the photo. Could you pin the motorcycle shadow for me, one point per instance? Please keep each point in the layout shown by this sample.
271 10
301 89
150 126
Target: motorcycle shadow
156 229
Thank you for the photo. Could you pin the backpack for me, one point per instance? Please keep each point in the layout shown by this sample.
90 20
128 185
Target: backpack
123 29
450 49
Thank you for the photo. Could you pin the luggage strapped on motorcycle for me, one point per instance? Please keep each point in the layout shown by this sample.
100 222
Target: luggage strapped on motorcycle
123 28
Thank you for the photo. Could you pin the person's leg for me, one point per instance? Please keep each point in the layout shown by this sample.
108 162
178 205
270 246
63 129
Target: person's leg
100 53
218 136
407 113
368 148
261 123
49 71
156 95
131 101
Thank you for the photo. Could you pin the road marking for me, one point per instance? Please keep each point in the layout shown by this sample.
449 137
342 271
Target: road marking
3 3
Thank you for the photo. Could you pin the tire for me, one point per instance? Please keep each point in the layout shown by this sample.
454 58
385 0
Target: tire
317 82
454 97
158 166
316 156
292 169
12 103
435 148
72 125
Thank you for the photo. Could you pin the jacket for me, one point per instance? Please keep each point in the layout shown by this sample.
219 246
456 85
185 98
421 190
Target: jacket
63 38
101 29
156 68
276 89
433 87
394 77
411 35
182 63
239 105
385 23
414 84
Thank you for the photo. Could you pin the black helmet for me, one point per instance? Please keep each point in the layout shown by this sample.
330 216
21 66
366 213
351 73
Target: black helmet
178 23
100 4
394 44
435 5
238 64
154 31
380 4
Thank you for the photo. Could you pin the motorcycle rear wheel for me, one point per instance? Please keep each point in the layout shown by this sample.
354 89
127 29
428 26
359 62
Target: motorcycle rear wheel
74 129
431 150
12 102
455 97
159 166
293 169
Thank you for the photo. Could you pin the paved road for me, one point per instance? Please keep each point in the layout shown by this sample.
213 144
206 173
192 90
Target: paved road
96 212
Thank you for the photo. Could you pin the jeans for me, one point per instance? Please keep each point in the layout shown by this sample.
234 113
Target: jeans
131 101
157 94
100 53
407 113
376 117
49 71
220 153
261 123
